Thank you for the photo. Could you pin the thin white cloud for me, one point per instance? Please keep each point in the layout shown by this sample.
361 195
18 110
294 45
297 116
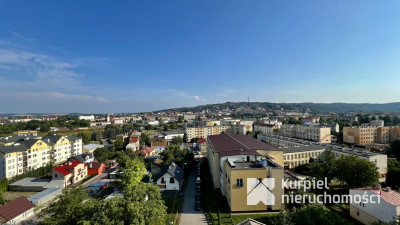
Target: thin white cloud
197 98
15 34
59 96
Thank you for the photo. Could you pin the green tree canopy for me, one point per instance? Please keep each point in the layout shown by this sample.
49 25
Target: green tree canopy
356 172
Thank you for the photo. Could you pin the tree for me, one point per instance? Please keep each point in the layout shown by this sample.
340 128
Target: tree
177 140
133 172
44 128
119 145
249 133
97 135
86 137
69 208
325 169
145 140
103 154
393 174
317 214
395 149
356 172
143 204
108 211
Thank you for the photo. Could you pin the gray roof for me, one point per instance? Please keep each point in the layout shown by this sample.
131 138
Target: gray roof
73 138
13 148
12 139
303 148
51 139
174 170
42 194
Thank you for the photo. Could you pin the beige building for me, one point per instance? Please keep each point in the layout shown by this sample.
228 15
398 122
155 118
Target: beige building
70 172
370 134
316 133
233 158
204 132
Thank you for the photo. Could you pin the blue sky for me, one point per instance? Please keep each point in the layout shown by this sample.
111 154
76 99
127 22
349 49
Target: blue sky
132 56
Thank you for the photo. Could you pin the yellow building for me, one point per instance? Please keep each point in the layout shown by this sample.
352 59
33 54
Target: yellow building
233 158
20 154
370 134
316 133
204 132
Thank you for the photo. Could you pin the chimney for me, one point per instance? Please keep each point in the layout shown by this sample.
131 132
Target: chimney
90 165
377 187
388 189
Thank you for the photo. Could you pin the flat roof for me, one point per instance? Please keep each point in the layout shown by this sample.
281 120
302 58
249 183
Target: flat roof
31 181
238 144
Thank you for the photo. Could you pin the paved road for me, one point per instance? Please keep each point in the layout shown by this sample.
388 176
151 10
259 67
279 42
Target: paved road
189 215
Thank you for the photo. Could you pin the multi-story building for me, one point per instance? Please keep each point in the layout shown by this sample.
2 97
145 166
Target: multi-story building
240 129
63 147
265 128
204 132
318 133
233 158
297 151
21 154
370 134
386 209
86 117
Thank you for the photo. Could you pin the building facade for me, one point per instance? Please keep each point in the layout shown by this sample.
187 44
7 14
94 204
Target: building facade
233 158
316 133
204 132
370 134
27 153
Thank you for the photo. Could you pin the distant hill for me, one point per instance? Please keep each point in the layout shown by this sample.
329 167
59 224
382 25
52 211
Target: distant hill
301 107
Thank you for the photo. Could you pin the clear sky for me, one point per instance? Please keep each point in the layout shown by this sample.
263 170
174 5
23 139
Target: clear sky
131 56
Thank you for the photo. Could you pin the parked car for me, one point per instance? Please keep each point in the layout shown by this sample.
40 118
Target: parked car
198 188
197 206
198 196
198 181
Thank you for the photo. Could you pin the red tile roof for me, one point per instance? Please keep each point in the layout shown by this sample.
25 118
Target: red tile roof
95 165
201 140
145 150
390 197
133 139
15 208
65 169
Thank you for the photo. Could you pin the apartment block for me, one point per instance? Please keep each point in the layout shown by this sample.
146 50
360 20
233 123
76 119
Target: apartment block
298 152
318 133
370 134
240 129
233 158
23 153
204 132
265 128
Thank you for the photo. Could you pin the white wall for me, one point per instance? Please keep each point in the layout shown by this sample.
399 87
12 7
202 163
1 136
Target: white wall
169 186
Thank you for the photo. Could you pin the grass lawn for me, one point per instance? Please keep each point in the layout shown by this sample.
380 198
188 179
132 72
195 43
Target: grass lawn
264 218
11 195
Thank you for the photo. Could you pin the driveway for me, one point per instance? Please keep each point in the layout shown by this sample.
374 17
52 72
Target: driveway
189 215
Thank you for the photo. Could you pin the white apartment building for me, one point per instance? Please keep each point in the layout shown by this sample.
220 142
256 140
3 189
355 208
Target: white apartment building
86 117
265 128
316 133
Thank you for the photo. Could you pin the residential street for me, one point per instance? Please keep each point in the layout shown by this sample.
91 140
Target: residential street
189 215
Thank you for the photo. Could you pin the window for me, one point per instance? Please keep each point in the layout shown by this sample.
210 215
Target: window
171 180
55 175
163 180
239 182
358 213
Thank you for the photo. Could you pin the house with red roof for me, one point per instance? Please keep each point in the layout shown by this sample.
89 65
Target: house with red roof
16 211
146 151
380 204
202 144
95 168
71 172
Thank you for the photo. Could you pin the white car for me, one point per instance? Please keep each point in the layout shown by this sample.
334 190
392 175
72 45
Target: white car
198 180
